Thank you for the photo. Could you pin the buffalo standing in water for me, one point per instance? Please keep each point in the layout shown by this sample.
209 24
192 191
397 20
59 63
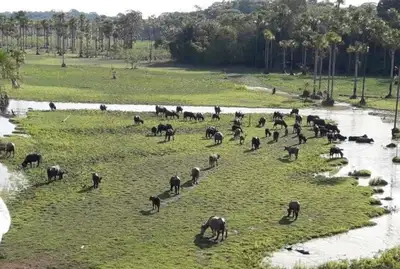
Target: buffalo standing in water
294 111
175 183
156 202
103 107
52 106
294 207
179 109
195 175
96 180
54 172
32 158
217 225
8 148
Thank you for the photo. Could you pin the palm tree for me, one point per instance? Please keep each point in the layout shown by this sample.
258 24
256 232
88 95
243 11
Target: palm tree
319 43
365 51
284 44
357 50
334 39
391 39
305 44
38 26
22 20
81 34
45 27
292 44
72 24
268 37
19 58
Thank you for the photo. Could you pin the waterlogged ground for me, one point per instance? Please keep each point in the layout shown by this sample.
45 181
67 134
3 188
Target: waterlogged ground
116 228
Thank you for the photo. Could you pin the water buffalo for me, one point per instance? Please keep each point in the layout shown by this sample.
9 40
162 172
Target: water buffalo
311 118
175 183
241 139
103 107
179 109
364 140
217 110
171 114
213 159
302 138
281 123
215 117
170 133
156 202
236 127
154 130
331 137
293 207
341 137
275 136
322 130
195 175
334 151
52 106
299 119
199 117
236 133
8 148
292 151
217 225
354 138
31 158
262 122
160 110
237 122
267 132
319 122
239 115
210 131
277 115
296 127
255 143
189 115
96 180
163 128
316 130
218 137
54 172
137 120
332 127
294 111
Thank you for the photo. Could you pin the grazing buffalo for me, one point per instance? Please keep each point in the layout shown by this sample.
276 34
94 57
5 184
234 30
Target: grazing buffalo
171 114
170 133
293 207
137 120
195 175
331 137
241 139
292 151
299 119
364 140
316 130
189 115
354 138
311 118
175 183
213 160
179 109
255 143
54 172
96 180
236 127
217 110
332 127
199 117
302 138
239 115
281 123
31 158
217 225
319 122
215 117
277 115
210 131
156 202
8 148
322 131
52 106
334 151
163 128
218 137
236 133
296 127
294 111
103 107
160 110
237 122
262 122
267 132
275 136
154 130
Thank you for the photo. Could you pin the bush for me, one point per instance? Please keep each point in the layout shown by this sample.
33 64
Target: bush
378 181
360 173
388 198
396 159
378 190
391 145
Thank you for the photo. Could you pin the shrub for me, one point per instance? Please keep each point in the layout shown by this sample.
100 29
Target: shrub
374 201
378 181
360 173
378 190
396 159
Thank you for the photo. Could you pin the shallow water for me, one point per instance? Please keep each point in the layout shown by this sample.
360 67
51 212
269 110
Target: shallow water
364 242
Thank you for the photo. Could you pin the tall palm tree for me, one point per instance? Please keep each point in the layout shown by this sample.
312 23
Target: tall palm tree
81 34
357 50
22 20
284 44
292 44
45 27
72 24
391 39
319 42
38 26
268 37
334 39
365 51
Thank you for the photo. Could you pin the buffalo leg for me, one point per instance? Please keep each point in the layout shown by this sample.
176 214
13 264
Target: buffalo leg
296 214
217 235
288 211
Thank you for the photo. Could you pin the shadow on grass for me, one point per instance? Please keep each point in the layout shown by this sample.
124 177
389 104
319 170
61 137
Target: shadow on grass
151 135
271 142
187 184
285 220
87 189
162 142
165 195
213 145
248 150
204 242
330 181
285 160
45 183
206 169
148 212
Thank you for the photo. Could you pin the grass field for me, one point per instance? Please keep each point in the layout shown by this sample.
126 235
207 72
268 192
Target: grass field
64 224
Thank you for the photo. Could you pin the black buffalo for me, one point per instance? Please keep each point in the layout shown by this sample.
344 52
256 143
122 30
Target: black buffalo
96 180
255 143
54 172
52 106
189 115
31 158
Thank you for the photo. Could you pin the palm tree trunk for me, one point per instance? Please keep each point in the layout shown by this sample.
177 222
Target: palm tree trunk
333 69
328 86
284 61
362 101
320 72
291 61
357 56
63 52
392 54
37 43
315 72
270 51
266 54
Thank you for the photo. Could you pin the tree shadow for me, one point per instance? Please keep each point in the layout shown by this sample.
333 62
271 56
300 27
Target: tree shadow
285 220
284 160
87 189
312 137
148 212
204 242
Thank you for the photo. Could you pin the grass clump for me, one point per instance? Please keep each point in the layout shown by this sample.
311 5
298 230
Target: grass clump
360 173
396 159
374 201
378 190
115 224
378 181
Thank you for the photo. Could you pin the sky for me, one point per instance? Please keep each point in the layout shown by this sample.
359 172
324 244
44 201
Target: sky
112 8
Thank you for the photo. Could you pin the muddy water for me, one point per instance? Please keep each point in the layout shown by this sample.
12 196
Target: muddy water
364 242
